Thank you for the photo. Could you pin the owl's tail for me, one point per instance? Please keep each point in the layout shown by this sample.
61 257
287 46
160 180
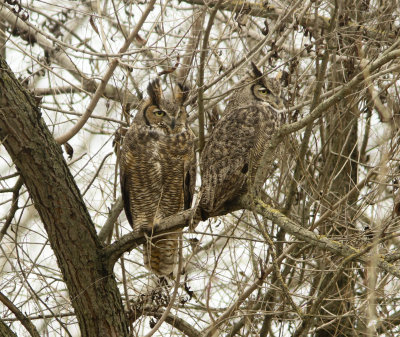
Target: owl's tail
160 253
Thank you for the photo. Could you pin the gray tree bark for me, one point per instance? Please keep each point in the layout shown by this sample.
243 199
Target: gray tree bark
93 290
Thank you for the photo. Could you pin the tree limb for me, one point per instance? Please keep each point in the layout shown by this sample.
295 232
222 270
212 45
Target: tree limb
21 317
319 240
56 197
59 55
102 87
115 211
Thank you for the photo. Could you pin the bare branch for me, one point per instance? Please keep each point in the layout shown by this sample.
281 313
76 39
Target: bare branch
102 87
21 317
58 54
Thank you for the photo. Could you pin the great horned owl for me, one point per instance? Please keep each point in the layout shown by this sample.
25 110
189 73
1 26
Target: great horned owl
233 152
158 172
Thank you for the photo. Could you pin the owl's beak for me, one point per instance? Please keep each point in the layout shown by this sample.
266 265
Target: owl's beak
173 123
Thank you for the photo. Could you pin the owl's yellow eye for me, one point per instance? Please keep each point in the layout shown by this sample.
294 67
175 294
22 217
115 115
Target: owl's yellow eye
159 113
264 90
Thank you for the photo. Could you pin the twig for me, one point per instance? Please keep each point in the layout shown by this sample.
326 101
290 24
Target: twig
108 119
115 211
278 274
14 207
32 33
203 55
307 133
21 317
209 331
100 89
97 173
323 295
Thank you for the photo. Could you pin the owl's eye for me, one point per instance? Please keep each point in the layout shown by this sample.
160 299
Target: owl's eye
264 90
159 113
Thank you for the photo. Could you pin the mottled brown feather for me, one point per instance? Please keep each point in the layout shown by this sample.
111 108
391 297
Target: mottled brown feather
232 155
157 174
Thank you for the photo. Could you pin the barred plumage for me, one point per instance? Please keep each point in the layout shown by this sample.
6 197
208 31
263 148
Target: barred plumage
158 172
232 155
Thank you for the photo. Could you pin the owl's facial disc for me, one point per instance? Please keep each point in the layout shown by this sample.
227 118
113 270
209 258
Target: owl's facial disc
264 92
174 121
166 119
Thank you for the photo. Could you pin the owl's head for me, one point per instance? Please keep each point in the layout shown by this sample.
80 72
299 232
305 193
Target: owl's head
266 89
167 115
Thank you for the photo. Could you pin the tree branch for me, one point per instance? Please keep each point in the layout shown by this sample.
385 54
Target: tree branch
203 55
319 240
343 91
286 129
57 198
126 243
58 54
115 211
113 252
21 317
310 22
102 87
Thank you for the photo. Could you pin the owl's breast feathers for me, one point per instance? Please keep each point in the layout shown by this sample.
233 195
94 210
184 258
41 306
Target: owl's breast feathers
154 170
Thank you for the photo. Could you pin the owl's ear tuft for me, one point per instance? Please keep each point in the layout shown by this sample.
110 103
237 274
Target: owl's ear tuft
182 93
257 73
154 91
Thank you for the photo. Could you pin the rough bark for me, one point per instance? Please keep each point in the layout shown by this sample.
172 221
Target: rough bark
92 287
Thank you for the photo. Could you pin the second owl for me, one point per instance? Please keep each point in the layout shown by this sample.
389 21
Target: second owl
158 172
232 155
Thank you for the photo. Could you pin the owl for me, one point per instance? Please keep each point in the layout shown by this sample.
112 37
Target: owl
233 152
158 172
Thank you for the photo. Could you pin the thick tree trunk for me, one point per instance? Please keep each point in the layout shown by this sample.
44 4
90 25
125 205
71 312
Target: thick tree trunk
93 289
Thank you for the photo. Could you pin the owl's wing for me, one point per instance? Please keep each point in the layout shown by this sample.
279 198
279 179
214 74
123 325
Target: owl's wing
127 159
225 160
264 132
